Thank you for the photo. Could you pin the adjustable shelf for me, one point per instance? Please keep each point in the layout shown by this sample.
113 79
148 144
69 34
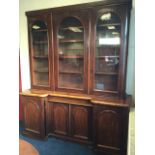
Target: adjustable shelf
70 72
106 73
41 42
41 57
70 56
102 46
70 40
41 70
108 56
68 28
40 30
110 24
72 49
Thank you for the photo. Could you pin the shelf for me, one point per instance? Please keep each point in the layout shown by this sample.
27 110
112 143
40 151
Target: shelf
63 49
70 40
68 28
40 42
71 56
108 56
70 72
40 57
111 24
43 70
40 30
106 73
42 83
102 46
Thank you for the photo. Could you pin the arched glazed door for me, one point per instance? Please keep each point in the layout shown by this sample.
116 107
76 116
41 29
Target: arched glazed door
71 51
71 54
109 51
40 51
108 30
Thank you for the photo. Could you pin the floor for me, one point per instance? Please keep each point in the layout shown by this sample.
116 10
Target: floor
54 146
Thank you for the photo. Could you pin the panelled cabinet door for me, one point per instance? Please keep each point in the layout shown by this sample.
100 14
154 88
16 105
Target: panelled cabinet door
33 110
110 129
81 122
40 51
110 25
71 50
60 118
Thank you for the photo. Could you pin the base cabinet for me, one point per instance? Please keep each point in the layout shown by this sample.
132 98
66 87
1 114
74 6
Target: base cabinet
34 120
104 127
110 129
73 121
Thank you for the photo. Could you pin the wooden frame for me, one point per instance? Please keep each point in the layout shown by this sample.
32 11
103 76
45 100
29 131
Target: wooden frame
57 18
47 20
123 12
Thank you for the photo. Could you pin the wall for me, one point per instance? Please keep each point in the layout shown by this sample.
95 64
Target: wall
130 85
28 5
20 89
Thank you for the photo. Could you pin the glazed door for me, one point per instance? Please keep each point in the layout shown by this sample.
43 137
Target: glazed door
71 50
40 51
33 111
110 27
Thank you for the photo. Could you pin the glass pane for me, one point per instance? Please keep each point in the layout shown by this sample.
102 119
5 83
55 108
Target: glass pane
71 53
40 54
108 42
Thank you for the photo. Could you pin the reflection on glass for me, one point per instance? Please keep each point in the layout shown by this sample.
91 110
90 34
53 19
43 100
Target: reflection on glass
40 53
71 49
107 52
109 41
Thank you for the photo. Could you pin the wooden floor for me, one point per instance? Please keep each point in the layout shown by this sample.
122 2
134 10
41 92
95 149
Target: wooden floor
26 148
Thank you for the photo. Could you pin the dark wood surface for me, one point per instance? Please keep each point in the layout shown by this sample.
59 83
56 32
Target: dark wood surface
60 115
33 110
109 126
81 122
67 119
57 118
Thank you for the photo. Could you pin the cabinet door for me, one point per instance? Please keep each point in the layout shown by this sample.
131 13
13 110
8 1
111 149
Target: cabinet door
70 44
81 122
110 129
40 51
60 118
33 110
110 49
